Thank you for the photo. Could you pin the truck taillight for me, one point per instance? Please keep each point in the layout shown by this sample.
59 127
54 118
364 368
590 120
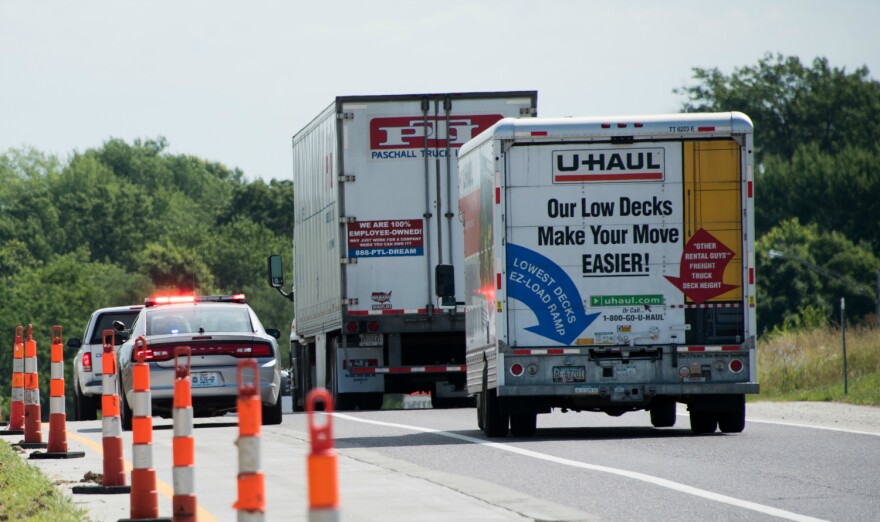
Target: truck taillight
516 369
373 326
736 365
351 327
87 362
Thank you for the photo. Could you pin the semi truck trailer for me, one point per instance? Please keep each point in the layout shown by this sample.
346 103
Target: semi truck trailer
378 265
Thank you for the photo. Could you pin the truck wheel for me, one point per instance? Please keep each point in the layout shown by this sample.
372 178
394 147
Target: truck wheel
84 408
733 421
663 413
523 424
272 414
495 423
125 412
703 422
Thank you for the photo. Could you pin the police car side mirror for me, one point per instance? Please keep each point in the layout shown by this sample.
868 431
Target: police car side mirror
274 332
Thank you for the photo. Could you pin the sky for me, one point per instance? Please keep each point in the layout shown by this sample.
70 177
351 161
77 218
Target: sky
232 81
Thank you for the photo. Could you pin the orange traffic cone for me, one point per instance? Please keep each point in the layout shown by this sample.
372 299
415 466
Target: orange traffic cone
251 503
33 435
111 425
57 417
323 479
183 445
16 408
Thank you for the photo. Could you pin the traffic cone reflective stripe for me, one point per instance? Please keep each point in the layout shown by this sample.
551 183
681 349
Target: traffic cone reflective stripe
57 415
16 409
322 467
251 503
111 425
183 444
32 423
144 500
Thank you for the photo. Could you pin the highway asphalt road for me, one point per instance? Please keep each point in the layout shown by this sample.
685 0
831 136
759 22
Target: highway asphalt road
799 461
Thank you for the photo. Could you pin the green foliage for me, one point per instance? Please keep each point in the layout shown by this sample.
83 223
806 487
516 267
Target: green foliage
27 495
116 223
792 104
807 282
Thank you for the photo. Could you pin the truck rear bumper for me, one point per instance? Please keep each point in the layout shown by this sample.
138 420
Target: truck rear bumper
626 389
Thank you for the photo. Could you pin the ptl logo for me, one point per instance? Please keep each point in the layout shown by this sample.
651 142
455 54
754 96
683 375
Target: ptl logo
417 132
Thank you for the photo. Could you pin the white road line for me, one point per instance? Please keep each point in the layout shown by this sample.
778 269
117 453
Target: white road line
682 488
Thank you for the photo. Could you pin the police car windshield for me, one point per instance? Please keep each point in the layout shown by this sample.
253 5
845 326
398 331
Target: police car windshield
202 318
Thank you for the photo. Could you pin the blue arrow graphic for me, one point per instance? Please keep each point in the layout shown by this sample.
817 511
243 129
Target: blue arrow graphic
549 292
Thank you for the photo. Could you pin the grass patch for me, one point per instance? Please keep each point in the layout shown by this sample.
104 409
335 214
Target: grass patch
807 365
27 495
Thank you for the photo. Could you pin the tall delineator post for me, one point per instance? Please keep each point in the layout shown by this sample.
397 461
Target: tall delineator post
322 466
183 502
251 503
57 447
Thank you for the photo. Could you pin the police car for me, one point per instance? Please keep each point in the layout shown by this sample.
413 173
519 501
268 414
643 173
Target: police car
220 331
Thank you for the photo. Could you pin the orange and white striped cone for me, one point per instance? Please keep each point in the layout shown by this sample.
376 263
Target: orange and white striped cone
33 435
251 503
144 495
183 445
111 425
57 417
16 408
322 466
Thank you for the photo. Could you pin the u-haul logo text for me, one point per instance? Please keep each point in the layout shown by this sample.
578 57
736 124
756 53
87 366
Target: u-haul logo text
580 166
402 137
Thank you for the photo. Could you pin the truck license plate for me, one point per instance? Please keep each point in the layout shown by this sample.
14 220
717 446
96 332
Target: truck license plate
370 340
569 373
206 379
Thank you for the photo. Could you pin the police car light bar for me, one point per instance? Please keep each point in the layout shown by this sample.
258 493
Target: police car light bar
182 299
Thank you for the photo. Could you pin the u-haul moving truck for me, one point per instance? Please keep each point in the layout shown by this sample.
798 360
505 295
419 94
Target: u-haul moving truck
609 266
378 262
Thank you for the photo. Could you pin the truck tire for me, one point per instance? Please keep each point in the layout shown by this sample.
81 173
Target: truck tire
84 408
523 424
733 421
703 422
495 423
663 413
272 414
125 412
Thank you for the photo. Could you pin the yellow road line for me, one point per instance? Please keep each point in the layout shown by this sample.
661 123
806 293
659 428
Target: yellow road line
165 489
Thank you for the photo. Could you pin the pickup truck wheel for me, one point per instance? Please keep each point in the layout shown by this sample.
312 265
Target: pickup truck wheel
84 408
663 413
703 422
523 424
125 412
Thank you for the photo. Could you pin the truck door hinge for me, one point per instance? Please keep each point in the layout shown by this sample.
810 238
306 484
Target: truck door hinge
348 260
346 178
347 219
345 115
349 302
